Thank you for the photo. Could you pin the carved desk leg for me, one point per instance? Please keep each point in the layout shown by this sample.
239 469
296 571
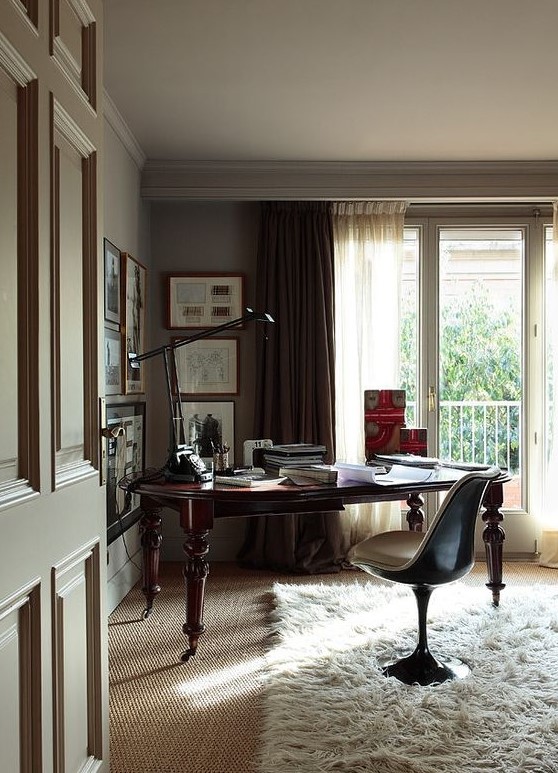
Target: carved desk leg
195 571
196 518
150 530
494 536
415 514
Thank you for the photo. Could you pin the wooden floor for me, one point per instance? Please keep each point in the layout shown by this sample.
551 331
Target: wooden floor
204 716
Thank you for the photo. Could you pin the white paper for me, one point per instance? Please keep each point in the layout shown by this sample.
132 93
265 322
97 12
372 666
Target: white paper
361 473
400 473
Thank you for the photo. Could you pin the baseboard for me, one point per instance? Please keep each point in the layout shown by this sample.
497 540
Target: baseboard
529 558
121 583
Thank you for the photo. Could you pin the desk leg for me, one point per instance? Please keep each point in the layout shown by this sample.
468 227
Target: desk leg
150 530
195 571
493 537
415 514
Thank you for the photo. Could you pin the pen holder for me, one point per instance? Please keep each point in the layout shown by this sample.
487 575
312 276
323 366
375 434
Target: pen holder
220 461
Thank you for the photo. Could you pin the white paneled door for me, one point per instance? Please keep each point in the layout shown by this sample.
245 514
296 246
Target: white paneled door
53 661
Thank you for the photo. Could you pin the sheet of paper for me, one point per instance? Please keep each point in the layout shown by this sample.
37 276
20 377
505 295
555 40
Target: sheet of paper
361 473
400 473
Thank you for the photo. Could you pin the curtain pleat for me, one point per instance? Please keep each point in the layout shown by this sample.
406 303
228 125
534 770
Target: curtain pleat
295 384
368 238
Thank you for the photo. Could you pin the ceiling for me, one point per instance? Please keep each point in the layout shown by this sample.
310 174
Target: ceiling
336 80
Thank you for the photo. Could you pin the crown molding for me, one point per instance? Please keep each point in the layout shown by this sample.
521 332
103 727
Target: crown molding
124 133
414 181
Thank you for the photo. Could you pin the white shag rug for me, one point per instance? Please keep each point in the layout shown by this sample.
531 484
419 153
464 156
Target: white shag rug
328 707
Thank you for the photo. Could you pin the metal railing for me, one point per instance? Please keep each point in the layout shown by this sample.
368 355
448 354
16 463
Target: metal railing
479 431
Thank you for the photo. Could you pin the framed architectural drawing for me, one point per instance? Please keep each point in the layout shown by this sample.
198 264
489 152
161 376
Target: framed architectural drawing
113 362
133 302
204 300
209 425
209 366
126 454
112 282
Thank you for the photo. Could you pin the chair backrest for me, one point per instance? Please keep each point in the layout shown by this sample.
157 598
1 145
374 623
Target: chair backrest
447 551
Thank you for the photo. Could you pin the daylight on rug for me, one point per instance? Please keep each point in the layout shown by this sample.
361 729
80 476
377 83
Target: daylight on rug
328 707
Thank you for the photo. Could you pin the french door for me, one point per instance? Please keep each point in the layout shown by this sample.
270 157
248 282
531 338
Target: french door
472 349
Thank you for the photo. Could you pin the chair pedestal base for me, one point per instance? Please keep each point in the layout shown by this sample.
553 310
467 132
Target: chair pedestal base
422 668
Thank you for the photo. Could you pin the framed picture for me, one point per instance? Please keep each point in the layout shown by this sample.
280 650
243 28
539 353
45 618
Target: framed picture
133 301
126 454
112 282
113 362
209 366
208 425
204 300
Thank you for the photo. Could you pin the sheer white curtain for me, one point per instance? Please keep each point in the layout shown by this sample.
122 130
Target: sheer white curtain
368 238
549 537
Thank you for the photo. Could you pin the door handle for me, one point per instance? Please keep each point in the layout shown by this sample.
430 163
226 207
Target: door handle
432 402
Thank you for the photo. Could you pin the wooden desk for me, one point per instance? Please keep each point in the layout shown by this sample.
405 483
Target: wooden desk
198 505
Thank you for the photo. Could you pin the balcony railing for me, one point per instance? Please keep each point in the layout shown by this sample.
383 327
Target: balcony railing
484 432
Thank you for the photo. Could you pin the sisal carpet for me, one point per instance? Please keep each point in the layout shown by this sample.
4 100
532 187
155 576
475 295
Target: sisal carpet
206 716
328 708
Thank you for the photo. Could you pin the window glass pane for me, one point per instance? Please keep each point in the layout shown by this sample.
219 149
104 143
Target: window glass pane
480 386
551 353
409 323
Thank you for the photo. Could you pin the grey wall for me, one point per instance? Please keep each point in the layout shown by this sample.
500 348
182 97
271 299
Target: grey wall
201 237
126 225
126 216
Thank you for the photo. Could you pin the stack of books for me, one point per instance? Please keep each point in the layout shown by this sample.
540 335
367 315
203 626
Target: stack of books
302 463
305 475
292 455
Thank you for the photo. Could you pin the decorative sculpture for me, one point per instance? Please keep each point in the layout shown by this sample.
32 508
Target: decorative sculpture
384 416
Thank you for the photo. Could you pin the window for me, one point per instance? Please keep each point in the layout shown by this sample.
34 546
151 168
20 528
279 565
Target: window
480 348
472 356
477 353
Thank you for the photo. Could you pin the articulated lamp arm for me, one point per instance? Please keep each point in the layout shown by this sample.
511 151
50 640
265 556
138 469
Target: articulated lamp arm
182 463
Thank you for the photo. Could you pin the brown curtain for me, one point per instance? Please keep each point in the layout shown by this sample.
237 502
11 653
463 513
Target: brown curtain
295 374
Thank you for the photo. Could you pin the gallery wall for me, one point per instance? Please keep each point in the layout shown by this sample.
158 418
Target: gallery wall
126 225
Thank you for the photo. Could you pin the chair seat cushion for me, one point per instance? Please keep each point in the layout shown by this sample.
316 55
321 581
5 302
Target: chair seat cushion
389 549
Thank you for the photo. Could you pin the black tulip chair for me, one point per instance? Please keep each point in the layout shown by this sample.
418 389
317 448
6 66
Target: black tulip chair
424 561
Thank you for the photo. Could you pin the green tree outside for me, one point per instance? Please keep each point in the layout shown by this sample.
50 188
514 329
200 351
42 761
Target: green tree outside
480 351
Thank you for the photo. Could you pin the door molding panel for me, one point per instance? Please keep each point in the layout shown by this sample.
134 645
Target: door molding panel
29 10
28 281
20 664
19 464
73 46
76 649
74 353
14 64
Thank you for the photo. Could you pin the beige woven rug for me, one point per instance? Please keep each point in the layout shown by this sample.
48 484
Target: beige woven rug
206 715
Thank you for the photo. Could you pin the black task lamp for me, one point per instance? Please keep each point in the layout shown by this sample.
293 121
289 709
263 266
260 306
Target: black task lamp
183 464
